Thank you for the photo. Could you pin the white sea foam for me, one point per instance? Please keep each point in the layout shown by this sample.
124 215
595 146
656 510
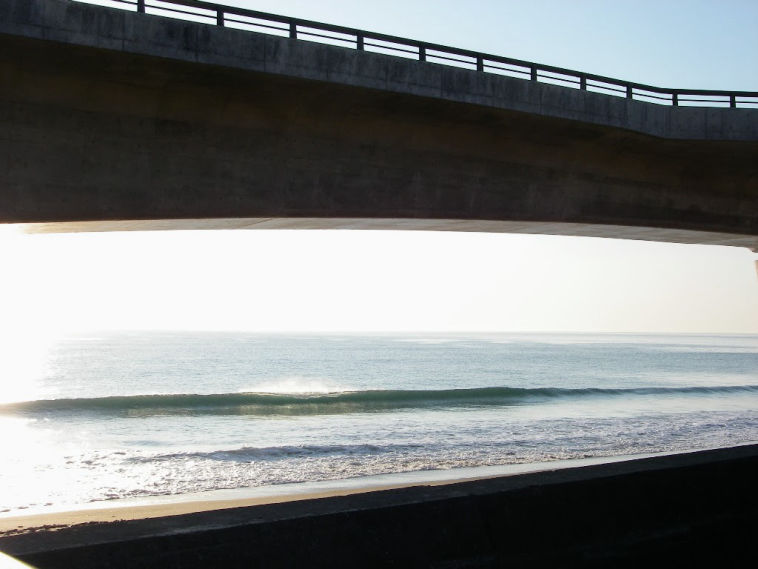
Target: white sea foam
295 385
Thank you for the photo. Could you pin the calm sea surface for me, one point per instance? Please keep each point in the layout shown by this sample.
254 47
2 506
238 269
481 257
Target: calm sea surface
152 414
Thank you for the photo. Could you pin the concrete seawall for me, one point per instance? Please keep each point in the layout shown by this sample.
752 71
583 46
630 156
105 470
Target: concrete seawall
685 510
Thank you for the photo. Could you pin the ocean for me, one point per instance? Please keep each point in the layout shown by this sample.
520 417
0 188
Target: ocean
153 414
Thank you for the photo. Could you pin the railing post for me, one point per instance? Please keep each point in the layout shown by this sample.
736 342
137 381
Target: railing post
733 101
534 73
220 18
141 6
675 99
359 42
583 82
421 53
479 63
629 92
293 30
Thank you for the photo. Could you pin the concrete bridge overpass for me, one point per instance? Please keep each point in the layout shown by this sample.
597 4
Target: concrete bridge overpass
115 119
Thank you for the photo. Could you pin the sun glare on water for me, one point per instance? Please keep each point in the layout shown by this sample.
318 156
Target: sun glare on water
23 365
25 341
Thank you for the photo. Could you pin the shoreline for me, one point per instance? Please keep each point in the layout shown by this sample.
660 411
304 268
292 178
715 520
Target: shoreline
695 508
53 519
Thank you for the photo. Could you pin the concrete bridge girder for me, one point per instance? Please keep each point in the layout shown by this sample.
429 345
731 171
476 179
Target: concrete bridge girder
114 116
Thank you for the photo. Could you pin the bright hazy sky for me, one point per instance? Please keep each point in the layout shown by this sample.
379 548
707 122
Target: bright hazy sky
381 281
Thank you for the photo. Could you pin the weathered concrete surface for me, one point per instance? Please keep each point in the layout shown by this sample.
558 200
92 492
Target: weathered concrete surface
694 510
109 116
87 25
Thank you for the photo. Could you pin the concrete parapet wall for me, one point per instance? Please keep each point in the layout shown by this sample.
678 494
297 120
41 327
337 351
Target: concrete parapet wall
93 26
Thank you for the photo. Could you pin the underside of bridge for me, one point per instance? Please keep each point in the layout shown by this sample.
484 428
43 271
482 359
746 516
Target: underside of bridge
97 139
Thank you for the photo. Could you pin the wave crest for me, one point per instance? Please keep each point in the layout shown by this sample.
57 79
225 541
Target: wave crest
338 402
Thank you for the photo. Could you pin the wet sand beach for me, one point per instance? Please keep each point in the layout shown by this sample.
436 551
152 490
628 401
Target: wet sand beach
177 506
43 519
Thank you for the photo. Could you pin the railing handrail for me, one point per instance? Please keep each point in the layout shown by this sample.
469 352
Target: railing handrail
479 59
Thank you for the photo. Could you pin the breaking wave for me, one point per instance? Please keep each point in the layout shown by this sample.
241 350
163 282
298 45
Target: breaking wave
339 402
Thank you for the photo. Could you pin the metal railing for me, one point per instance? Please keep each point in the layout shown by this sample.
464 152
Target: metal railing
295 28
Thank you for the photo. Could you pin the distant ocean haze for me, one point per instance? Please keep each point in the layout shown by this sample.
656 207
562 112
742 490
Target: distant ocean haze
122 415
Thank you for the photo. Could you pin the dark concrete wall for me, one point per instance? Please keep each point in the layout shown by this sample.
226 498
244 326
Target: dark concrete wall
693 510
109 115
